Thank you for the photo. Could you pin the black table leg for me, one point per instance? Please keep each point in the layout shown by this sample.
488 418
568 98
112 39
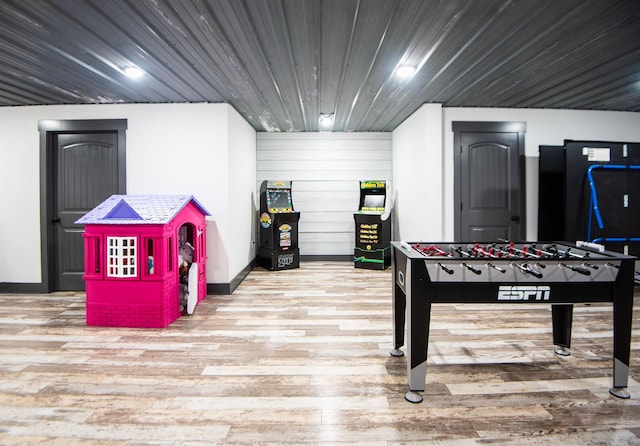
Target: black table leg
399 307
562 316
622 320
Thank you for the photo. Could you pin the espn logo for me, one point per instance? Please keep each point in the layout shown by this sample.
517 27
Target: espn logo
523 292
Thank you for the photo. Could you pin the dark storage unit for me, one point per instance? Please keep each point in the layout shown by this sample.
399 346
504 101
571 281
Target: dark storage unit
551 184
599 192
278 247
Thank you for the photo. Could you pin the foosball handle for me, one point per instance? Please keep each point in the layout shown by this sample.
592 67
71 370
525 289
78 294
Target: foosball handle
534 273
577 269
472 268
444 268
502 270
526 269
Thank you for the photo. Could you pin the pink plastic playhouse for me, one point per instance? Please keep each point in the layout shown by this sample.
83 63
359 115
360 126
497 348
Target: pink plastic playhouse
138 253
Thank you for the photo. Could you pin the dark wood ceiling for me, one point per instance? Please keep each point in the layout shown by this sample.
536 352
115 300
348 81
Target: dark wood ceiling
281 63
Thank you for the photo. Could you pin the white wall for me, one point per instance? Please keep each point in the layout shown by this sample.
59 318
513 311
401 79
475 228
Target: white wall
418 176
415 144
209 151
326 169
19 195
171 149
243 214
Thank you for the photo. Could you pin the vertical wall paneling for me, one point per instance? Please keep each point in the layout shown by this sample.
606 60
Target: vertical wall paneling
325 169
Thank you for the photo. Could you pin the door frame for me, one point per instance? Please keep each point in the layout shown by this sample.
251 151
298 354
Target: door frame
460 127
48 129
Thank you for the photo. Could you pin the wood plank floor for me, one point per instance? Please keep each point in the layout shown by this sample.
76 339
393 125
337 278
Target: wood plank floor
302 357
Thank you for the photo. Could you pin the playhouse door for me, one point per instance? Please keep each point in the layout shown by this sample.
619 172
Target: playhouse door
85 174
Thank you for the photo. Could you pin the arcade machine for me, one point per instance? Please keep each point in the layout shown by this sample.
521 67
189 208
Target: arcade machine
373 226
278 247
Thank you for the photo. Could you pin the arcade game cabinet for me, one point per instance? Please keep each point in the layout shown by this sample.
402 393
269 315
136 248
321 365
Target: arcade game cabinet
373 227
278 227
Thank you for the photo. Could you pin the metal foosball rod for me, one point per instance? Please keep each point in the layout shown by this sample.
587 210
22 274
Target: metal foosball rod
568 253
463 253
479 250
539 255
546 253
524 251
490 252
501 253
439 251
431 250
525 268
459 250
483 252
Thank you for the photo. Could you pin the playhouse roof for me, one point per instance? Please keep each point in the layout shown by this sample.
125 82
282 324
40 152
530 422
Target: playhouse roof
139 209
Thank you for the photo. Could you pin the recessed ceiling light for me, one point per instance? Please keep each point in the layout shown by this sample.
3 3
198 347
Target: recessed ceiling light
133 72
326 121
405 71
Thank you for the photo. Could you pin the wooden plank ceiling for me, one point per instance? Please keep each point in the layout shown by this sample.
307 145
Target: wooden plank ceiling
281 63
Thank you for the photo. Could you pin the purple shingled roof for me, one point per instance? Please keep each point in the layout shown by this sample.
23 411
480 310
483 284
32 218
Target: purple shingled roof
138 209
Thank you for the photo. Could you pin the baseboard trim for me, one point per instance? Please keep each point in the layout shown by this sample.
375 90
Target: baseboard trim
229 288
326 258
218 289
22 288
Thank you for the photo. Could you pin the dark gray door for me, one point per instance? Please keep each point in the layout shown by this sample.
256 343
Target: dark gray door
490 191
85 174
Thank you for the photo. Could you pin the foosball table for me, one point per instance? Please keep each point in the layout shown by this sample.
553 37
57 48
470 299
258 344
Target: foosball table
555 273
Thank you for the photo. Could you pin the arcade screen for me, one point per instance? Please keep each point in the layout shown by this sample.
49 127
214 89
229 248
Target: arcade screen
373 201
278 199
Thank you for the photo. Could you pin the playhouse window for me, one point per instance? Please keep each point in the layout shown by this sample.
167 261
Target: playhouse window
96 255
185 234
121 257
151 270
186 237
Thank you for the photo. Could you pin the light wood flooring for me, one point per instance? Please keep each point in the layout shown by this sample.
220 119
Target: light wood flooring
302 357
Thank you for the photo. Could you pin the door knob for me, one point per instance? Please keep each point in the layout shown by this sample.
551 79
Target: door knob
55 220
515 218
